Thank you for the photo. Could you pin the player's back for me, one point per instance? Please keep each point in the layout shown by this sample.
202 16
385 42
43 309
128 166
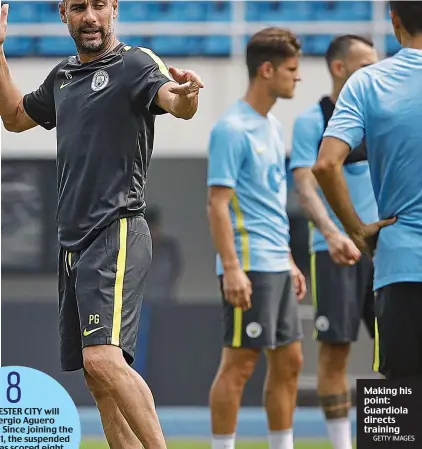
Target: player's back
393 123
247 154
394 131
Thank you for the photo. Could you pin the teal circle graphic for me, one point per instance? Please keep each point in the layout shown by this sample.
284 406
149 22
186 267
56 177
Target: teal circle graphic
275 178
36 412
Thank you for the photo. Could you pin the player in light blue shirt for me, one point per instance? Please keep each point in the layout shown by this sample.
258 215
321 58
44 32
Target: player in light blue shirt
384 103
247 155
341 287
260 283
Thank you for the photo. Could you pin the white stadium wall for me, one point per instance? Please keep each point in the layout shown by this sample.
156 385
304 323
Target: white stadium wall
225 81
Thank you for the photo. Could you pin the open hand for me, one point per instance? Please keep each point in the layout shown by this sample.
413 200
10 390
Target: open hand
3 23
189 82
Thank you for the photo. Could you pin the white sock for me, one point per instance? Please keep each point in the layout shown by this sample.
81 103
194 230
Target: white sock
340 433
223 441
281 440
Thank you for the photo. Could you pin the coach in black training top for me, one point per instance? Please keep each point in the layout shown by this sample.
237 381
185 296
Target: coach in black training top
104 112
103 103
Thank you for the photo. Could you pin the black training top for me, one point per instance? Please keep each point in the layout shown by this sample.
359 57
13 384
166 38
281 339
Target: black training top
104 114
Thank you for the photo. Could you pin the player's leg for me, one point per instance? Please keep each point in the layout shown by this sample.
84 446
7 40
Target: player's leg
117 430
244 337
236 366
398 338
334 393
107 366
111 275
284 363
335 291
280 393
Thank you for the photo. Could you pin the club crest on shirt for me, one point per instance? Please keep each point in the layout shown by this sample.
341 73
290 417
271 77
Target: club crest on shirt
275 178
100 80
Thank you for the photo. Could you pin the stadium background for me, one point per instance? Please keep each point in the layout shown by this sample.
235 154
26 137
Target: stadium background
179 340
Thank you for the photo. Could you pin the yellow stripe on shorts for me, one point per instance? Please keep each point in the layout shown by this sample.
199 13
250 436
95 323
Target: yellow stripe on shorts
118 287
237 327
246 266
314 289
376 364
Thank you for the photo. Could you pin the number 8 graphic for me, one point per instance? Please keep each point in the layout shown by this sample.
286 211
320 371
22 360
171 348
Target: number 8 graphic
13 386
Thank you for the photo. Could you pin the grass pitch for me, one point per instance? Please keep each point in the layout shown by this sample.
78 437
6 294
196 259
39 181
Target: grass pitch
192 444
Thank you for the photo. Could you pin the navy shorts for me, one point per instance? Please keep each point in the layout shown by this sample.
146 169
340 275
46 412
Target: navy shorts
101 291
342 297
272 321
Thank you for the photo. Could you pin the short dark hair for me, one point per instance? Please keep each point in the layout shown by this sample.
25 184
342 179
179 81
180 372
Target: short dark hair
270 44
340 46
410 14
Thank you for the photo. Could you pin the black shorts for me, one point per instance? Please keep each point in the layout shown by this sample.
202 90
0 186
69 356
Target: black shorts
398 341
101 290
272 321
342 296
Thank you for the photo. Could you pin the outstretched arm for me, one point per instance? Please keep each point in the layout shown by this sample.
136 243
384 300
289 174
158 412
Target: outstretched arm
180 98
12 111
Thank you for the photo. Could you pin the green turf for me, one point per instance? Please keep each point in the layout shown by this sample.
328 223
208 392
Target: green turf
246 445
190 444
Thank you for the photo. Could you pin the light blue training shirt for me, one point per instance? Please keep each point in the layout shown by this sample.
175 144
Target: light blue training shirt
384 103
247 154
